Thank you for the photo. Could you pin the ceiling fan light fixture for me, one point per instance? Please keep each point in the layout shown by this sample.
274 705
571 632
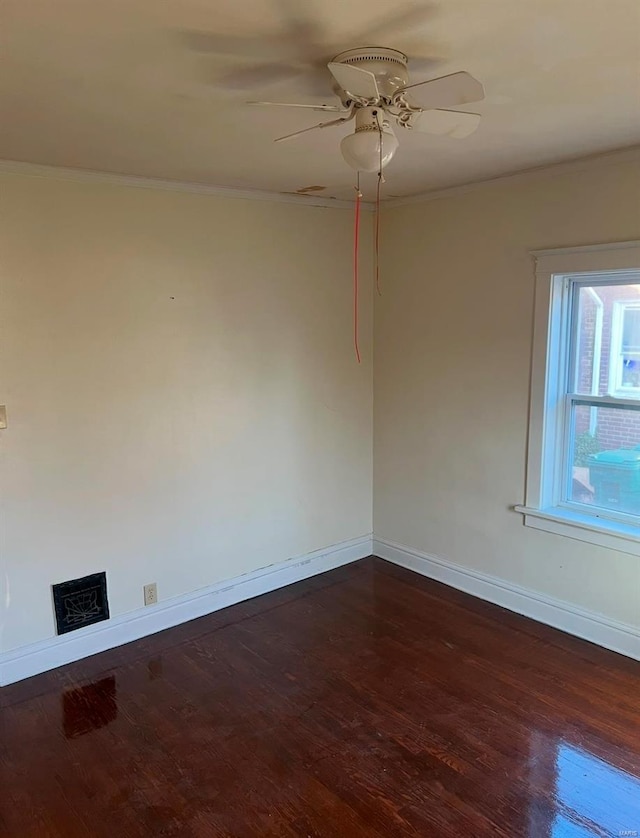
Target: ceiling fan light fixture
361 150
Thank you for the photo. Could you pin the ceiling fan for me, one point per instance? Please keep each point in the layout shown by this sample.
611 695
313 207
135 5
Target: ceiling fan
373 86
372 83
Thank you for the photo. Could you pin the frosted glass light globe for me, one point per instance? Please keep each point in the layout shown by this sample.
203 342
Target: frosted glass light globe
361 150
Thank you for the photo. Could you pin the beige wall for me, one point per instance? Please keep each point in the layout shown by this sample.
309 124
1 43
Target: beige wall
184 404
452 346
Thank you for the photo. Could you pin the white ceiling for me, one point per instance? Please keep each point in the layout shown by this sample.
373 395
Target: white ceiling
117 86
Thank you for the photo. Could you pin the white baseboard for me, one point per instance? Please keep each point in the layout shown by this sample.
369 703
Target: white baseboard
48 654
619 637
56 651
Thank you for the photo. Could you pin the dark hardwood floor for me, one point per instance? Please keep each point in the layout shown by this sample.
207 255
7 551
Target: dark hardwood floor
365 702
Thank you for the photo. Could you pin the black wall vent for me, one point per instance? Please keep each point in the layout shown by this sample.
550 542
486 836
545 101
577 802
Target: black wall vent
80 602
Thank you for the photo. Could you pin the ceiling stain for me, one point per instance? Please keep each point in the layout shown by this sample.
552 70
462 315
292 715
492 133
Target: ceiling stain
299 194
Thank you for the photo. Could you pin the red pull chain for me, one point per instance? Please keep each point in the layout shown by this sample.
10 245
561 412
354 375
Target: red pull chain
356 246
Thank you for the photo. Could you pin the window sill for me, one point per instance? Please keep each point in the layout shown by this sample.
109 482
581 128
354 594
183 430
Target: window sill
600 531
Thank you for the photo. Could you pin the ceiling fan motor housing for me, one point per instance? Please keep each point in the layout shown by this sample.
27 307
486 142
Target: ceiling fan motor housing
389 66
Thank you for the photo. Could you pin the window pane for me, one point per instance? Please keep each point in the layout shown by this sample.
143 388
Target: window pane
605 458
607 340
631 330
630 350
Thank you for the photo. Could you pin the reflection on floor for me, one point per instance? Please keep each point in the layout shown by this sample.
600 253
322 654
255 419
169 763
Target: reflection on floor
87 708
366 702
591 793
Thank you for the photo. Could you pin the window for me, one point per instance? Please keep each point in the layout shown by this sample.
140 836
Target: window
584 434
624 376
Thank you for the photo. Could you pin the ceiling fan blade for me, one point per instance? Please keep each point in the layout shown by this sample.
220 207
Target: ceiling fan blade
456 124
445 92
305 32
423 64
330 108
243 47
402 20
314 127
296 35
259 75
359 83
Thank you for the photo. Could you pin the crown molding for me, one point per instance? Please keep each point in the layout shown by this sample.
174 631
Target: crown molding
16 167
579 164
311 200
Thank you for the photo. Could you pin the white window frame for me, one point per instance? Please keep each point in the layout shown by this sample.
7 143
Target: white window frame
616 388
549 426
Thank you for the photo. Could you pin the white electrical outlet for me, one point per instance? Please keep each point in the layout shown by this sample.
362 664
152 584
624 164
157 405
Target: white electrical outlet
151 594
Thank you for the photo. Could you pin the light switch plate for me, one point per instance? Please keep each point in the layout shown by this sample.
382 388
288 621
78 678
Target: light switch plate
3 416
